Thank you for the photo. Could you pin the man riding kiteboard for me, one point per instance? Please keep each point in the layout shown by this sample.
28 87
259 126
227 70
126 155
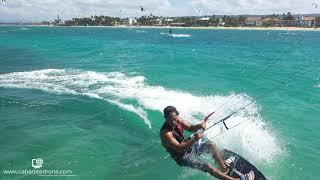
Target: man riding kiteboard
186 152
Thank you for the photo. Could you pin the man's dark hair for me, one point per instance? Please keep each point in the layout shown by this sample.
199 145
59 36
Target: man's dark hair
168 110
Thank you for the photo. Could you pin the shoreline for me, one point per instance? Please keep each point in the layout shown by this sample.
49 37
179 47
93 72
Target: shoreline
226 28
194 28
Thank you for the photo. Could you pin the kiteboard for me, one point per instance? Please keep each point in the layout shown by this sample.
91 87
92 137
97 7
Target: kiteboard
241 165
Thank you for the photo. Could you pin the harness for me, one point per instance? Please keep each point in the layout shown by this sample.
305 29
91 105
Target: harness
178 134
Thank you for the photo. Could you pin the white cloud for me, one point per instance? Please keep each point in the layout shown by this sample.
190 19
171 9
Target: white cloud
35 10
255 6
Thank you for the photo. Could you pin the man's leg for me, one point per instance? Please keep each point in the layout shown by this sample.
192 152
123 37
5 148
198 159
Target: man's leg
206 167
192 160
211 147
197 163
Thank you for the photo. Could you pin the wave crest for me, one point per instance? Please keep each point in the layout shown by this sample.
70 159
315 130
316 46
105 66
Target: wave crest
133 94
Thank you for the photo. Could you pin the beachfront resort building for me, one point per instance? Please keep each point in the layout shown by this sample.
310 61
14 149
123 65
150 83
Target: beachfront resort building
203 21
167 21
178 24
159 22
275 22
300 21
307 21
130 21
253 21
221 22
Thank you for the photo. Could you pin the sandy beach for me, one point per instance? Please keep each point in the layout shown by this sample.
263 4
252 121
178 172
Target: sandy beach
228 28
198 28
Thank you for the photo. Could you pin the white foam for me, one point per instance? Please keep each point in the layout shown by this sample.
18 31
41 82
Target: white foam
131 93
141 31
139 111
287 33
180 35
176 35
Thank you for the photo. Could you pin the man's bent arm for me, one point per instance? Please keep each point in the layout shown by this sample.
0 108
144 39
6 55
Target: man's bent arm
174 144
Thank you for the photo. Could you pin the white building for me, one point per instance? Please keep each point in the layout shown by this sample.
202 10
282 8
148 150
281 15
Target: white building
253 21
221 23
168 20
130 21
307 21
159 21
203 21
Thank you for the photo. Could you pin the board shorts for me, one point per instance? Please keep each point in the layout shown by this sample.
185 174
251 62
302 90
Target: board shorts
192 158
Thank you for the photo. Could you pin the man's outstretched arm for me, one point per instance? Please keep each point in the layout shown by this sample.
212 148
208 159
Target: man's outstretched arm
196 127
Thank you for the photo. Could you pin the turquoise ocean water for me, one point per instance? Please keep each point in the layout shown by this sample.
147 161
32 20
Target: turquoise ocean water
90 99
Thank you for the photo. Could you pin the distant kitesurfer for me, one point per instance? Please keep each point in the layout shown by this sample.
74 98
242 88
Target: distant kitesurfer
141 8
170 32
186 152
315 5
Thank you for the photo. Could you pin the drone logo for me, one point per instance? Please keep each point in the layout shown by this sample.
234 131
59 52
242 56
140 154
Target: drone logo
37 163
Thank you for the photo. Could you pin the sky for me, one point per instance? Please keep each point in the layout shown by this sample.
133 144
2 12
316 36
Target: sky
47 10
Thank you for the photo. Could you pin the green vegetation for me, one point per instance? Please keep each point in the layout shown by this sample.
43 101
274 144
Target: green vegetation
94 21
147 20
274 20
234 21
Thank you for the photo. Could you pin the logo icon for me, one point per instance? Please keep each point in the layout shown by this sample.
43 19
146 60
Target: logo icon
37 163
